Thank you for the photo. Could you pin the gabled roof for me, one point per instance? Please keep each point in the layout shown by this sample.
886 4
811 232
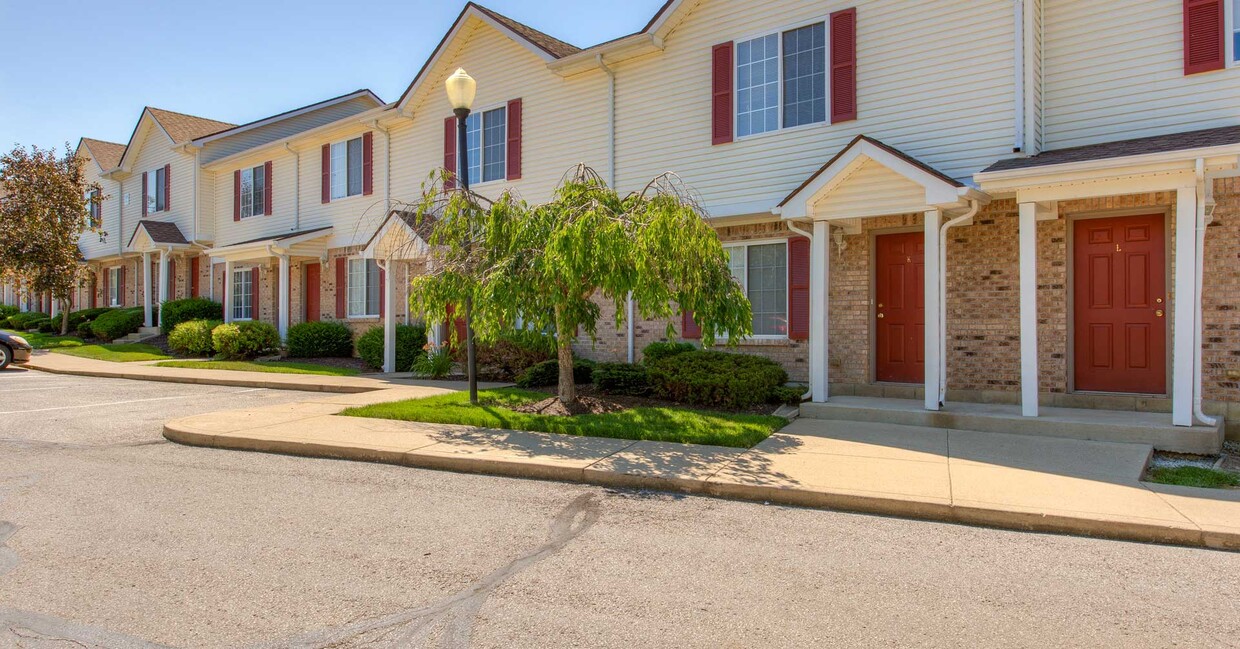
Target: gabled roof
547 43
159 232
234 130
183 128
105 154
1211 137
889 149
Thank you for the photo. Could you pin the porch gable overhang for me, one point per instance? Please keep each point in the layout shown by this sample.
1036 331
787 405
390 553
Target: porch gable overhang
399 236
150 236
305 243
930 188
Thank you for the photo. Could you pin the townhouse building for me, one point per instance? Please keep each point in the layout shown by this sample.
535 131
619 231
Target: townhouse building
1025 202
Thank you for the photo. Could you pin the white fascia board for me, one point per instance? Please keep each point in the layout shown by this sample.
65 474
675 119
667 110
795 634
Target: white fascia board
1183 156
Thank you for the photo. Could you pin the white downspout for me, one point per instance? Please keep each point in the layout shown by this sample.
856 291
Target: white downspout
974 206
809 394
197 170
1199 268
296 186
630 329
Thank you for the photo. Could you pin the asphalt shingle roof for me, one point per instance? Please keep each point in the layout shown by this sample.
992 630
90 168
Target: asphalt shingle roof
160 232
183 128
1209 137
106 154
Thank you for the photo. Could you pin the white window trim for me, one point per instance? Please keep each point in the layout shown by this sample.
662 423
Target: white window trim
265 181
1229 46
253 294
779 31
728 245
114 285
482 144
348 275
152 183
345 142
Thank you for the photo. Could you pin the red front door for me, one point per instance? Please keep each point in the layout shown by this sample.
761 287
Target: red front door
1120 286
312 292
900 308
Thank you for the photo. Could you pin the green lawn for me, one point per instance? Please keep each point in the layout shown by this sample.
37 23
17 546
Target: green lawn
1193 476
116 353
47 341
657 424
254 366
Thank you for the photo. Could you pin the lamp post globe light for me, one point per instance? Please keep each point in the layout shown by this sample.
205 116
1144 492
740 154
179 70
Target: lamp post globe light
461 89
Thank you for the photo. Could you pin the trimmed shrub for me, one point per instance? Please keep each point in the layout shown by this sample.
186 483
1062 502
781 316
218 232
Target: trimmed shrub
548 373
50 326
242 340
511 354
174 312
193 337
658 351
6 311
320 340
410 339
788 394
717 379
622 378
27 321
116 323
77 319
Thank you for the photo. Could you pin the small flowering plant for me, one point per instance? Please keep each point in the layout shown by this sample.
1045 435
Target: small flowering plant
435 362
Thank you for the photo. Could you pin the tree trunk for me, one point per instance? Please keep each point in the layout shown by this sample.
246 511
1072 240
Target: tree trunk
564 352
64 317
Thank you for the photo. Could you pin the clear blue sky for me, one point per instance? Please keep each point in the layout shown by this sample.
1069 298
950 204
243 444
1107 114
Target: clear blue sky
76 68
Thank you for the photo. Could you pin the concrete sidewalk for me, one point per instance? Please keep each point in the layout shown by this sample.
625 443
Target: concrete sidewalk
145 371
1010 481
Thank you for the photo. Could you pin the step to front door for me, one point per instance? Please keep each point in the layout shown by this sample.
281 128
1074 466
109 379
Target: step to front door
1097 425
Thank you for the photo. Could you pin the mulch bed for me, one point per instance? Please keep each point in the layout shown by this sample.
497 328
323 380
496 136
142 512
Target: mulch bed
591 401
346 363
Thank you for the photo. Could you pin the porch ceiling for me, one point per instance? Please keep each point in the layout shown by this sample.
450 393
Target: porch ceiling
306 243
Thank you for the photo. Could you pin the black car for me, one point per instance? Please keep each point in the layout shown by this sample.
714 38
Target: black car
13 349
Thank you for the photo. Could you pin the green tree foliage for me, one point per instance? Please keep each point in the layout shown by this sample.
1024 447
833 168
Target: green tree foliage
552 264
44 208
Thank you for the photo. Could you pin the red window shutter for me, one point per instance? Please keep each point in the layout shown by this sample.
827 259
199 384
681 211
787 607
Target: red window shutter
1205 46
721 94
514 139
342 287
844 65
382 288
254 312
327 174
167 187
237 195
104 292
449 151
267 188
798 288
368 163
688 327
120 286
171 279
143 193
193 277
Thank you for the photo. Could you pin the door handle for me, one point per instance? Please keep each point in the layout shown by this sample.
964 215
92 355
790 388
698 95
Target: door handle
880 316
1159 313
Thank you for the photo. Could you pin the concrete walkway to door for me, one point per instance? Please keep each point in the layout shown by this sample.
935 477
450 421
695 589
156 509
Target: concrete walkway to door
1011 481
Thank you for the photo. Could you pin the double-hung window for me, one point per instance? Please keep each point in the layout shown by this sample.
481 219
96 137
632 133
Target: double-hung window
156 190
363 288
1235 31
114 286
253 187
243 294
94 209
762 270
346 170
486 140
781 80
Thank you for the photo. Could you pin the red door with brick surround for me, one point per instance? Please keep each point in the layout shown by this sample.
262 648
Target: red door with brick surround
1120 305
312 294
900 308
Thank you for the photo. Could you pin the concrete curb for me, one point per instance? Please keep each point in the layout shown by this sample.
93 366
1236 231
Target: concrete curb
887 505
236 382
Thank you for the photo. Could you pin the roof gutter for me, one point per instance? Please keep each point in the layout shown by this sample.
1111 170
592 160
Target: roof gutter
1186 156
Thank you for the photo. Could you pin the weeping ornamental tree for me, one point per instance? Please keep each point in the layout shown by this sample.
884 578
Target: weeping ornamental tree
45 204
551 265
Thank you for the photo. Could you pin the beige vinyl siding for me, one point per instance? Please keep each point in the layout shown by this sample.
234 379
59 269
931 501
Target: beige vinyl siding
154 150
564 122
255 137
871 190
1115 70
282 217
90 243
936 83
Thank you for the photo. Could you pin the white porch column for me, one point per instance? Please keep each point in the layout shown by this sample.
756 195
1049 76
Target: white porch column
228 290
1185 298
389 317
146 288
819 290
283 311
933 220
1028 310
163 276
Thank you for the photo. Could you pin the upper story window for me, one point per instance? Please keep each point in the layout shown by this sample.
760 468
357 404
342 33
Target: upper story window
1235 30
253 191
156 190
486 140
363 296
781 80
346 168
94 210
762 270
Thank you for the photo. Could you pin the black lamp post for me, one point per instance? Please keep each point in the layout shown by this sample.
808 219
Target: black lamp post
461 89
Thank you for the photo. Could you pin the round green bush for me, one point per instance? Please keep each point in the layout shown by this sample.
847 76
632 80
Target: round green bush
622 378
717 379
193 337
27 321
78 319
50 326
174 312
548 373
320 340
410 340
117 323
657 351
243 340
